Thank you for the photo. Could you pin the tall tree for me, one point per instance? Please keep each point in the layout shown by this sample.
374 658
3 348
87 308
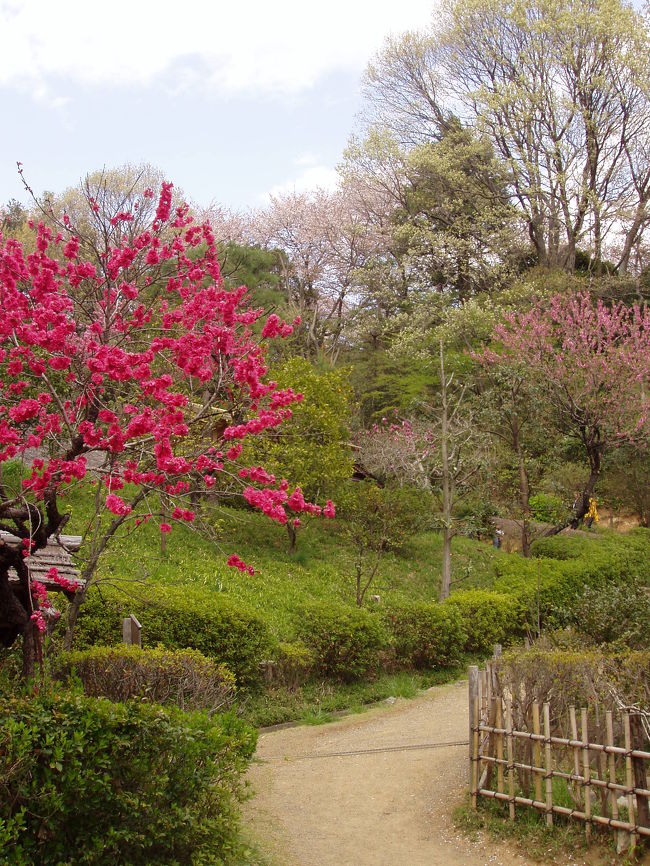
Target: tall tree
563 92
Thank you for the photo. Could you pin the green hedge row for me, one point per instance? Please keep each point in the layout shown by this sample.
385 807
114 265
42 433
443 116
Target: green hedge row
185 678
180 618
555 578
86 782
341 642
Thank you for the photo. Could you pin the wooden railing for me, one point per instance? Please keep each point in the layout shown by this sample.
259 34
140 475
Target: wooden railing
518 767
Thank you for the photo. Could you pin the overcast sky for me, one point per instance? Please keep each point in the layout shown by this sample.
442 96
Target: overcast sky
232 101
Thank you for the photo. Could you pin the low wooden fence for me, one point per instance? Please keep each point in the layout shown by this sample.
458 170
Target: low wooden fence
598 783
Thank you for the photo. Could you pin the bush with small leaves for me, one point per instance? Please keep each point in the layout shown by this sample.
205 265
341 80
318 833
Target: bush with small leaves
426 635
345 642
185 678
86 782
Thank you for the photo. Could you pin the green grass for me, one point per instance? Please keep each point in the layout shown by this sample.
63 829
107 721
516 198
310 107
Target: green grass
317 703
322 567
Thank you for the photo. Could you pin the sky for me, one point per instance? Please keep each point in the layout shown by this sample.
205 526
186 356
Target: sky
231 101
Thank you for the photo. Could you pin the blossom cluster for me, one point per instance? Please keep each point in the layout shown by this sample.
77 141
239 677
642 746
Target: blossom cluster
108 356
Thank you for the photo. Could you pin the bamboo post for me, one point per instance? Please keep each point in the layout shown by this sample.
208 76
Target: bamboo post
586 774
576 755
476 765
492 723
473 734
629 777
613 805
602 762
500 745
638 767
537 752
511 758
548 765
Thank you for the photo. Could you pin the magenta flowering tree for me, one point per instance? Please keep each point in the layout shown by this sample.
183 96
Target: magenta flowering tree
127 367
590 364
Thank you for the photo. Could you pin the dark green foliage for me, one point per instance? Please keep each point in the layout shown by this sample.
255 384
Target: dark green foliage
426 635
475 517
180 617
345 641
86 781
619 614
488 617
182 677
547 508
552 583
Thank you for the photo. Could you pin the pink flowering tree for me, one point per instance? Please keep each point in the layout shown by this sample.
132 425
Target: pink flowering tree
589 363
128 368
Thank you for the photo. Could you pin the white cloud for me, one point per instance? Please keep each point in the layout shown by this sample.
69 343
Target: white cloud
314 176
253 47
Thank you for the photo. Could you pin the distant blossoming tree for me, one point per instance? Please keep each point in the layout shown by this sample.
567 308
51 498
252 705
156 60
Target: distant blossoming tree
590 363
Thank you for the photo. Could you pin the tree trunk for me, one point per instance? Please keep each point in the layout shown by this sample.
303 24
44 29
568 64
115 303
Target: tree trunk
582 506
447 492
524 489
73 613
447 535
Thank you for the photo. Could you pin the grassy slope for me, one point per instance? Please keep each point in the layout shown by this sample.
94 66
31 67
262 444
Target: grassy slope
322 567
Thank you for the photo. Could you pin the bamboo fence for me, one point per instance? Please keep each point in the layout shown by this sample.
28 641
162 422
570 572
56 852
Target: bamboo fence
595 775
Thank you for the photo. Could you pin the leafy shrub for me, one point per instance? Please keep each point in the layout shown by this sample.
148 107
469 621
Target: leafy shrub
426 635
181 618
574 678
547 508
619 613
476 516
344 641
185 678
293 664
551 584
488 618
86 781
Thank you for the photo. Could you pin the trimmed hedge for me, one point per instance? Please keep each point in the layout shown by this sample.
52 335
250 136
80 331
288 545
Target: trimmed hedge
564 566
86 782
488 618
426 635
185 678
579 678
180 618
345 642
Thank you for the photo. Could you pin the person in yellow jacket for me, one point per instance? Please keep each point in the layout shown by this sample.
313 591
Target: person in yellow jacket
592 515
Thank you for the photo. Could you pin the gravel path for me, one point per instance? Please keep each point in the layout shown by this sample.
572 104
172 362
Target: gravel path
315 806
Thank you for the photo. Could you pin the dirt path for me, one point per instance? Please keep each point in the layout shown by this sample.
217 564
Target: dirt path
317 807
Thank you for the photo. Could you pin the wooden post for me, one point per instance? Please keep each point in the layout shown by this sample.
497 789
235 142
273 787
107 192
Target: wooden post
613 804
548 765
131 631
638 767
586 774
492 723
511 758
499 724
537 752
576 755
629 776
473 711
